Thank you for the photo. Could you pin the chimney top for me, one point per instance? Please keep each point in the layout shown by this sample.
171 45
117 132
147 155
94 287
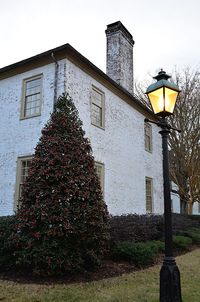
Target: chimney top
119 64
118 26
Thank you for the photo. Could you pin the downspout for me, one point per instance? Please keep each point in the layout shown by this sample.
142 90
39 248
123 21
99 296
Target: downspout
55 79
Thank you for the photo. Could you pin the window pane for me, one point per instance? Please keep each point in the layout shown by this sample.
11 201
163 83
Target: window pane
96 115
148 137
97 98
20 190
33 83
32 100
25 164
97 107
149 195
100 173
147 143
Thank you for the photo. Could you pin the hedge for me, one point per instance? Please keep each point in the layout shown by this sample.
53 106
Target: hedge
142 228
195 217
126 228
181 223
144 253
136 228
6 228
140 253
194 234
182 242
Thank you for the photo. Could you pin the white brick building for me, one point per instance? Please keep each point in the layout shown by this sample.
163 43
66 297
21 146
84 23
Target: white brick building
128 152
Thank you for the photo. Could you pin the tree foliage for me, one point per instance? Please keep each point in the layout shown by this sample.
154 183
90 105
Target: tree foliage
62 223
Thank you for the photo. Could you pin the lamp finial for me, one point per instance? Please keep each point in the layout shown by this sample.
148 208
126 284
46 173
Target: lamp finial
162 75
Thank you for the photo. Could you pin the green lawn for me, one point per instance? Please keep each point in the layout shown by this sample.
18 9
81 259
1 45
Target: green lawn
140 286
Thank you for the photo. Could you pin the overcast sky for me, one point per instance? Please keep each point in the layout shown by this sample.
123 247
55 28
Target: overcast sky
166 33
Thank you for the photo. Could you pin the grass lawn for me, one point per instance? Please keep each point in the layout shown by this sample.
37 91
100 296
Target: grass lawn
141 286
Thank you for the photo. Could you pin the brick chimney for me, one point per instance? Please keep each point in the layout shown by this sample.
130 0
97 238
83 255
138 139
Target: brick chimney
119 65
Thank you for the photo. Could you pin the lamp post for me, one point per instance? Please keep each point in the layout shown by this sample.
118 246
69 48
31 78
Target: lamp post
162 96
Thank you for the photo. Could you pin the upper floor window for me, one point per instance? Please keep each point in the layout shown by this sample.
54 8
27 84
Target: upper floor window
100 173
148 137
31 98
98 108
23 164
149 194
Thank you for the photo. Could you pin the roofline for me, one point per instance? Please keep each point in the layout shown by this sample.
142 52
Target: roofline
61 52
33 58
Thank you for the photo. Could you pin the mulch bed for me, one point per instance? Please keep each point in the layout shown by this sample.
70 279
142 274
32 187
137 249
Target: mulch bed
108 269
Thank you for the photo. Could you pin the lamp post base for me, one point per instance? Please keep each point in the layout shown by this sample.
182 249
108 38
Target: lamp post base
170 285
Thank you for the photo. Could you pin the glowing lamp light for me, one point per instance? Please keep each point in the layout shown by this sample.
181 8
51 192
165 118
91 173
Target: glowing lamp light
162 95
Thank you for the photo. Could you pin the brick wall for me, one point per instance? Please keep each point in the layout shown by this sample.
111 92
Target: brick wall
120 146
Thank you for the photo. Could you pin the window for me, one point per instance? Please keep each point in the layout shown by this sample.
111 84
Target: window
31 99
148 137
149 195
23 165
97 107
100 172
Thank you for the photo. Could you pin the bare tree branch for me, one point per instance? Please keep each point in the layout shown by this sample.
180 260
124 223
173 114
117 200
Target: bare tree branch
185 146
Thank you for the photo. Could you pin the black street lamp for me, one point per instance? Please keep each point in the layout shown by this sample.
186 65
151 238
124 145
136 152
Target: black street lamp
162 96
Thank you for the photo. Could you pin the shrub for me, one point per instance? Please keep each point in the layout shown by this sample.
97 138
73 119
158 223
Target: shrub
137 228
183 223
157 245
6 228
182 242
142 228
141 253
62 224
195 217
194 234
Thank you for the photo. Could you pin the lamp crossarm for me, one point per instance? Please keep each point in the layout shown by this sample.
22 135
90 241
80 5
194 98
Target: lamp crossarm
162 123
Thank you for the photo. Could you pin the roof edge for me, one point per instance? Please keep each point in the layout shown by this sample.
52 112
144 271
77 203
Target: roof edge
33 58
68 49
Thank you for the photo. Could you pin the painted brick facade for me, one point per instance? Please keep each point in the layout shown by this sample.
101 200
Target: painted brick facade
120 146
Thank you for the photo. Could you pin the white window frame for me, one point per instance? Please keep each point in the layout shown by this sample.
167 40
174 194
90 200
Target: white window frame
148 128
97 90
23 101
102 174
151 209
18 178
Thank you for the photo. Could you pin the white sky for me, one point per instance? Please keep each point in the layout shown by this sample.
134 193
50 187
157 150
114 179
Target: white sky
166 33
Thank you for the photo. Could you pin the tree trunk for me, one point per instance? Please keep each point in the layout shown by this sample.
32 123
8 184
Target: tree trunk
190 208
183 207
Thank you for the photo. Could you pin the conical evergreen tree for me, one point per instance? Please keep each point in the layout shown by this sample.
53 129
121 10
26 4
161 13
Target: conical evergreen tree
62 224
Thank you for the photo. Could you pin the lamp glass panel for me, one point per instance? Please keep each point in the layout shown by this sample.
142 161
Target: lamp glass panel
170 99
157 100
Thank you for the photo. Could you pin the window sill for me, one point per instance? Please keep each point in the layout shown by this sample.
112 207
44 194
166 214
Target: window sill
100 127
31 116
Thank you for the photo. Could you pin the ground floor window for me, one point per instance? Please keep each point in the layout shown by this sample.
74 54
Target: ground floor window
149 194
100 172
23 164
